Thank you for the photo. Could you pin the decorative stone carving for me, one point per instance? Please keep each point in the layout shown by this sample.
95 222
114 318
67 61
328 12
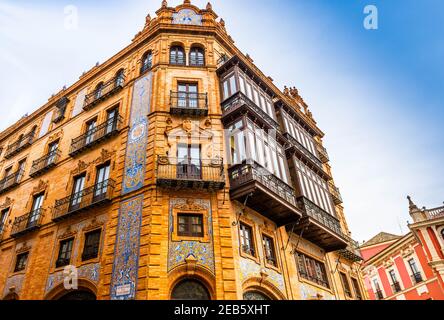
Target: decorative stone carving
189 205
24 248
8 202
56 136
81 166
105 155
41 187
69 232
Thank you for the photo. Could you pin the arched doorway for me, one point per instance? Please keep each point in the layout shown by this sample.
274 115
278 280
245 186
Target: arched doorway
79 295
11 297
190 289
255 295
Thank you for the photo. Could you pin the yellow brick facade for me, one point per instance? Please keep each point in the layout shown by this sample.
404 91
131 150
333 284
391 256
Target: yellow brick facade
158 261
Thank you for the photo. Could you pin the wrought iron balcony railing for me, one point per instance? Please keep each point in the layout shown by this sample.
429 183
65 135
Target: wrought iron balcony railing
336 194
99 194
19 145
108 89
93 137
45 163
417 278
11 181
239 104
262 191
188 103
396 287
320 227
323 154
27 223
190 173
326 219
352 252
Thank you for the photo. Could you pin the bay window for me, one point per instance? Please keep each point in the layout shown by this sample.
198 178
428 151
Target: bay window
313 187
295 130
252 143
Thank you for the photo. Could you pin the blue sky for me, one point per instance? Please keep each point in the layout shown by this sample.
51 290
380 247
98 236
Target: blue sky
377 94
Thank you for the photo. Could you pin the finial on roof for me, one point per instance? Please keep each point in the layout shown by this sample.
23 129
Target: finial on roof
412 205
209 6
222 22
186 2
148 19
164 4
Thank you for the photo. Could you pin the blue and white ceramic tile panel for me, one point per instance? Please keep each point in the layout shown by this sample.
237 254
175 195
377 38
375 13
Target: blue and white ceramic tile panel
89 272
135 160
250 269
127 250
15 282
308 292
178 251
187 17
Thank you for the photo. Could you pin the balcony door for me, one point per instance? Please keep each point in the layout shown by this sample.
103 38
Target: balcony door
90 131
102 180
52 152
35 211
77 192
111 121
188 95
189 162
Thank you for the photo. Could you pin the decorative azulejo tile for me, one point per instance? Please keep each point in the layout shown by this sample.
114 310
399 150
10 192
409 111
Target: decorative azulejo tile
127 250
135 160
250 269
89 272
178 251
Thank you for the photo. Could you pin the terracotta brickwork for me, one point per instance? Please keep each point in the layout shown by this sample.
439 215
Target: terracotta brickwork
141 253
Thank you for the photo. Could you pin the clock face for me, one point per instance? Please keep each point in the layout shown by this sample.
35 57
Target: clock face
187 16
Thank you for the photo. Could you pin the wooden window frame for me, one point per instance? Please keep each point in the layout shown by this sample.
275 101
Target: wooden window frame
188 233
265 234
328 286
176 237
85 238
251 225
346 284
61 242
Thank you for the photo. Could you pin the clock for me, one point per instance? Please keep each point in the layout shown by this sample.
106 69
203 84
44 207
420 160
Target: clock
187 16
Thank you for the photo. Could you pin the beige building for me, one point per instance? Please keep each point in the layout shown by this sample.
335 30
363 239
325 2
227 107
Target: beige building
176 169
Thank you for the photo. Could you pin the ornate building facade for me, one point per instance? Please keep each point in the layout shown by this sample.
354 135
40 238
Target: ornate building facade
408 267
176 169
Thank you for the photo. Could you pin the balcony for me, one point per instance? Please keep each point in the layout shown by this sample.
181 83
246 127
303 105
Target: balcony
335 193
95 136
20 145
10 181
45 163
239 105
323 154
264 192
320 227
352 251
396 287
188 104
416 278
190 174
379 295
295 146
97 195
108 89
27 223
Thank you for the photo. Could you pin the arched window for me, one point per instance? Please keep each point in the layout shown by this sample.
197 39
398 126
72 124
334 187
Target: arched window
99 89
120 78
190 290
197 56
79 295
147 62
255 295
177 55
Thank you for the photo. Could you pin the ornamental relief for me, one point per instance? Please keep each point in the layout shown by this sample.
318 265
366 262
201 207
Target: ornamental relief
56 136
8 203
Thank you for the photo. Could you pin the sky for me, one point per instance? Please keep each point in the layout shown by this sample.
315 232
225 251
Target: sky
377 94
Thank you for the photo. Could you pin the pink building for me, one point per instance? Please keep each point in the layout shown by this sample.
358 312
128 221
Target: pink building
409 267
